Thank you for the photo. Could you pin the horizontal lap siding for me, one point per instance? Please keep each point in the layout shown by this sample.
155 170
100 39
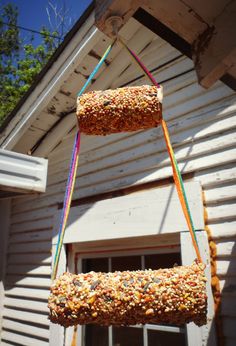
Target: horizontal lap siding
28 272
202 126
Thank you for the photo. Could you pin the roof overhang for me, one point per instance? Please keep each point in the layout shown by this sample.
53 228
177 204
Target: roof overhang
75 48
21 174
207 29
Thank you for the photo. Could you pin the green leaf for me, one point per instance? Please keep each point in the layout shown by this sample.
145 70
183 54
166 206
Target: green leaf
19 62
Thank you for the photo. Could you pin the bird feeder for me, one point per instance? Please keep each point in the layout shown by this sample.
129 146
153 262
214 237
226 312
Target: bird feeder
119 110
167 296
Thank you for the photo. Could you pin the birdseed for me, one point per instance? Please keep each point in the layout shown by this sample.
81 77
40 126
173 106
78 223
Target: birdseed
168 296
119 110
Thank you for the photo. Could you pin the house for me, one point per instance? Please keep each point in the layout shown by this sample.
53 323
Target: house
125 212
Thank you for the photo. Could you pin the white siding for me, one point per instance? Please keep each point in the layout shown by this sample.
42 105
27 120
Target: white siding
202 126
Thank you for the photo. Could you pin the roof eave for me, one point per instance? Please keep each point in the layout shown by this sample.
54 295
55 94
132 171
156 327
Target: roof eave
19 119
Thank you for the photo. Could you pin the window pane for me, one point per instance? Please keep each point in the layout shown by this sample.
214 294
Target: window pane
126 263
127 336
95 264
157 338
162 260
96 335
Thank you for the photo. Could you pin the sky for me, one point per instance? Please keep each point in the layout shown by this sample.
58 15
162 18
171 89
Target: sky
33 13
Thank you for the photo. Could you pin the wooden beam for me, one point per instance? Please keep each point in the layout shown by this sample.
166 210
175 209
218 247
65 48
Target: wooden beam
163 31
210 37
175 40
214 51
175 14
105 9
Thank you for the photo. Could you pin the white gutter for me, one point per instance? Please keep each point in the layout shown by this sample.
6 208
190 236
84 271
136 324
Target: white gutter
22 173
76 50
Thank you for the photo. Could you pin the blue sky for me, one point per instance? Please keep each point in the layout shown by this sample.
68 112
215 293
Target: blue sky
33 14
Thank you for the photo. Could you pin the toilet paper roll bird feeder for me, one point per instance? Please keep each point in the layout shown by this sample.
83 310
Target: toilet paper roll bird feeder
120 110
169 296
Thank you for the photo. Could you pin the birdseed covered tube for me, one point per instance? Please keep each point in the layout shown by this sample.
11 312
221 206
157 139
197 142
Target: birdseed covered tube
119 110
167 296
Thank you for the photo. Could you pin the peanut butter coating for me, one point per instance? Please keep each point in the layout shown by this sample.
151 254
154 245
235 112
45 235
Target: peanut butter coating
119 110
167 296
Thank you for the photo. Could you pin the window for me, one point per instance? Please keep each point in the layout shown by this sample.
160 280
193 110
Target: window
126 222
139 335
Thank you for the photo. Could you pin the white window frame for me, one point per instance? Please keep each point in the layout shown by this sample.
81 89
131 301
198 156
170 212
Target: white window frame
205 335
125 230
111 254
